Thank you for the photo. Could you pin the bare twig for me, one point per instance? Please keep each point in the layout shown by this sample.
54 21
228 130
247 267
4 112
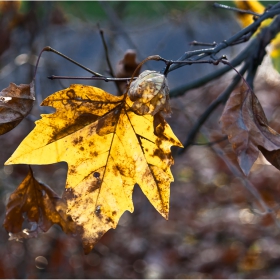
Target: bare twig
108 59
256 49
152 57
201 54
195 43
106 52
115 20
179 91
49 49
247 184
102 78
238 173
217 5
221 99
264 38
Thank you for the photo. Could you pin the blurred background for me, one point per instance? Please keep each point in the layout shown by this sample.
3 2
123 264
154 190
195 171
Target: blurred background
216 228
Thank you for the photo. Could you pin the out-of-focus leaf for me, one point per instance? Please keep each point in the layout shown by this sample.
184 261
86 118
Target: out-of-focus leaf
254 6
39 205
9 12
9 6
15 104
245 123
126 67
110 143
275 52
246 19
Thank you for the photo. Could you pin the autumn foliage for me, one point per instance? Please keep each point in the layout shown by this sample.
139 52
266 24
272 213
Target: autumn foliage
113 143
110 143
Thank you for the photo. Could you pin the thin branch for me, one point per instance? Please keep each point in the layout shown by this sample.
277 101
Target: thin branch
247 184
49 49
217 5
101 32
152 57
117 23
264 38
37 63
102 78
221 99
201 54
257 45
179 91
195 43
238 173
106 52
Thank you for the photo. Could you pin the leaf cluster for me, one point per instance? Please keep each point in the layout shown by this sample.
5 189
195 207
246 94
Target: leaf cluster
112 143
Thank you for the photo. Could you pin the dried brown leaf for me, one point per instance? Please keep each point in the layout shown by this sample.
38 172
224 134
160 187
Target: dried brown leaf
245 123
39 205
15 104
126 67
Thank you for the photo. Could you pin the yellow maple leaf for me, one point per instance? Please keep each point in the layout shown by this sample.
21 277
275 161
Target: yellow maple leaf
110 143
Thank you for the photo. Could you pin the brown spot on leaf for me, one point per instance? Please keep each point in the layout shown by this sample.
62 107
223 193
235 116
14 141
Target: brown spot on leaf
71 94
109 220
159 153
107 123
94 154
94 186
77 140
72 171
81 121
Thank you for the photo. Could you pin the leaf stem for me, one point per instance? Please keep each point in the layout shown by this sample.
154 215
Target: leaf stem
37 63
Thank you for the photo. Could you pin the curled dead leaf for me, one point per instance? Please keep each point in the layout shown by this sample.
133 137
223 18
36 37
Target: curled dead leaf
15 104
246 125
37 204
150 93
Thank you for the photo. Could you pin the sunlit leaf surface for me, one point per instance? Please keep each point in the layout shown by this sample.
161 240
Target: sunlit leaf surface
109 147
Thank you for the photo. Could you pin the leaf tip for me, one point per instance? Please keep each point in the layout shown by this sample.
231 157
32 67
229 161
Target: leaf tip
8 162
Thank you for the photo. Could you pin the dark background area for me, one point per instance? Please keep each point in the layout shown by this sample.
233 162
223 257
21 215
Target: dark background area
216 228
